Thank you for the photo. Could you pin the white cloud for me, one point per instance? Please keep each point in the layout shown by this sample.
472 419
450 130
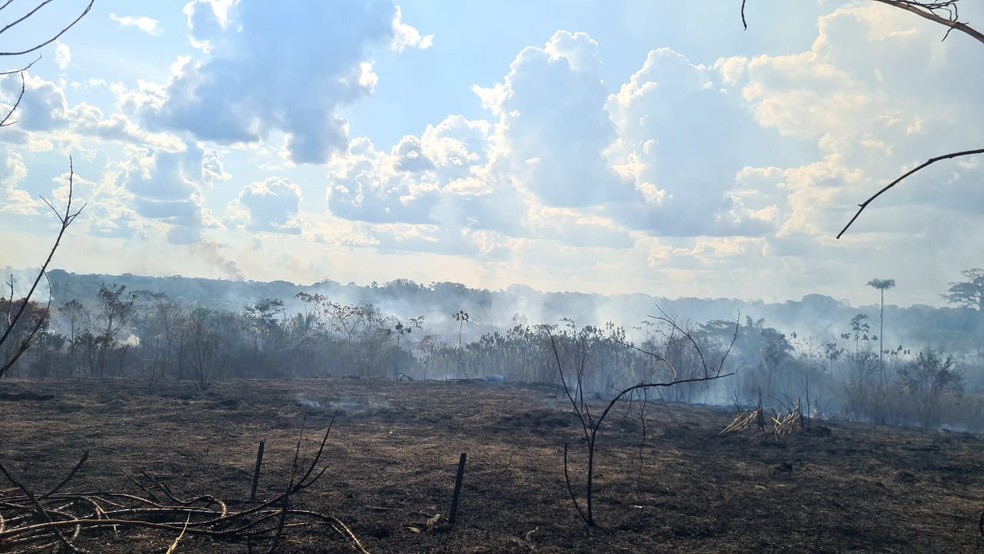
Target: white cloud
14 199
142 23
551 109
874 95
269 205
405 36
260 79
206 21
63 56
167 188
680 143
43 106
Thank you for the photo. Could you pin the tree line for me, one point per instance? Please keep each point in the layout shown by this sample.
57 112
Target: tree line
121 333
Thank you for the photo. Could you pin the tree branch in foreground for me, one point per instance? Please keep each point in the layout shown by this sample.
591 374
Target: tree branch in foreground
65 219
919 167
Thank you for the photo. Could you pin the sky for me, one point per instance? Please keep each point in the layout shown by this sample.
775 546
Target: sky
566 145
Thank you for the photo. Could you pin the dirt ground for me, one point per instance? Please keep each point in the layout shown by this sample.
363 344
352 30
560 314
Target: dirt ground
665 482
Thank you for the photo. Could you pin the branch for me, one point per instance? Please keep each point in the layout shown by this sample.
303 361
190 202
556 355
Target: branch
65 220
5 122
921 166
926 10
20 96
50 40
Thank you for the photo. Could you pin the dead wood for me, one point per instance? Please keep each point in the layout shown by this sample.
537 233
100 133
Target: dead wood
30 522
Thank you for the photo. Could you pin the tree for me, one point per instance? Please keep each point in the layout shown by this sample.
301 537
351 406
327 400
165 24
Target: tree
112 314
927 380
65 218
969 293
202 342
461 316
573 383
882 285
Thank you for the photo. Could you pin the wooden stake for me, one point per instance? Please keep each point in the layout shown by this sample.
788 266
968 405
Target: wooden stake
256 472
457 488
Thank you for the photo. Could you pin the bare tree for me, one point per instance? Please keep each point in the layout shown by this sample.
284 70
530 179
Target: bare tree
591 424
65 218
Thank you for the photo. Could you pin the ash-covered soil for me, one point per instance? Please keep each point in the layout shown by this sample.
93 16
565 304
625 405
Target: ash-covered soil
666 480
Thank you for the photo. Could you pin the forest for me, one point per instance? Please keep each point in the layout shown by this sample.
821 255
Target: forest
821 353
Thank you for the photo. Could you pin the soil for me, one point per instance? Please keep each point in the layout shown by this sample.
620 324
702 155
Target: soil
665 480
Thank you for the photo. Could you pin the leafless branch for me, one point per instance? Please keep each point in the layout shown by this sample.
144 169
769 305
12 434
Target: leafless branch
46 42
919 167
932 11
65 219
6 121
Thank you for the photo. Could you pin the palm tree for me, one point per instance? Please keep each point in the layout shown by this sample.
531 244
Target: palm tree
882 285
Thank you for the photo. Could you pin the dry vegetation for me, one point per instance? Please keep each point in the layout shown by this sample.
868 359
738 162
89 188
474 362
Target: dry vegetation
668 482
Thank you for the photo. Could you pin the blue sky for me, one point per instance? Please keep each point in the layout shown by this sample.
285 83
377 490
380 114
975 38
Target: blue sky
631 146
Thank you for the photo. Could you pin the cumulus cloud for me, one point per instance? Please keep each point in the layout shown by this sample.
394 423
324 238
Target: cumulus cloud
63 56
13 198
434 178
207 19
269 205
167 187
866 116
44 111
553 125
212 167
406 36
679 143
141 23
42 108
89 120
286 67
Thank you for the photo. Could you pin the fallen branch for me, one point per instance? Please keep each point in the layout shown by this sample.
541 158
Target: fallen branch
65 520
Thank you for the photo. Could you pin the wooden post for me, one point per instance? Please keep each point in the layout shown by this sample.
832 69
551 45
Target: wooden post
256 472
457 488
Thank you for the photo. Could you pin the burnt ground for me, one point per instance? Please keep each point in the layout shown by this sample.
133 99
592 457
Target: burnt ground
666 483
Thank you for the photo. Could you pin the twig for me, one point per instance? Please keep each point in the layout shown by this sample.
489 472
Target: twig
39 509
50 40
927 10
85 456
174 545
570 489
921 166
65 221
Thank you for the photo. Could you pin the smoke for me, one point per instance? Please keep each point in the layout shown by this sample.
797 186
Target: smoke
17 283
211 252
307 402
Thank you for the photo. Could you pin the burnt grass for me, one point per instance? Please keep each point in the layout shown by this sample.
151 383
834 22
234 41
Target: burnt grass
667 481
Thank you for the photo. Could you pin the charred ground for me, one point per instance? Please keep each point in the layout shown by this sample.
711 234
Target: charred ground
666 481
